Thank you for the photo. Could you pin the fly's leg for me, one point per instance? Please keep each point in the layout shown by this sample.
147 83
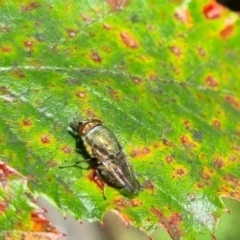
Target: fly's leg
76 164
101 182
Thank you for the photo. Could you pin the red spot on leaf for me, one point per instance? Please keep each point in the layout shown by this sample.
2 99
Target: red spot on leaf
201 52
92 176
185 141
66 149
176 50
179 172
183 16
140 152
86 19
71 32
169 159
211 82
45 139
81 94
136 80
28 43
156 145
227 31
26 123
148 185
207 173
117 4
41 224
3 207
107 26
218 162
6 49
121 203
187 124
19 73
167 143
233 101
114 94
212 11
216 123
232 158
31 6
96 57
129 40
135 203
5 171
171 223
90 114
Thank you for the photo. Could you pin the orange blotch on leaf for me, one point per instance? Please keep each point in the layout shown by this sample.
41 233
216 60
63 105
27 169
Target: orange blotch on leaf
169 159
207 173
124 203
148 185
45 139
19 73
183 15
216 123
92 176
167 142
86 19
201 52
41 224
218 162
156 145
6 171
227 31
211 82
26 123
71 32
129 40
188 124
187 141
233 101
80 94
212 10
31 6
6 49
117 4
231 187
176 50
170 223
120 203
140 152
114 94
179 172
95 57
66 149
28 43
107 26
3 207
136 80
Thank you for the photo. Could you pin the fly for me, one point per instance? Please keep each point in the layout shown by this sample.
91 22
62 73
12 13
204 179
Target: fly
111 162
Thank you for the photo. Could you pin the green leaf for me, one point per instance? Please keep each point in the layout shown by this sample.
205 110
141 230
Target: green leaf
161 75
17 210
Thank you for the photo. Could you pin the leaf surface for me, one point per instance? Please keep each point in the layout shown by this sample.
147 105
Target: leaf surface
162 76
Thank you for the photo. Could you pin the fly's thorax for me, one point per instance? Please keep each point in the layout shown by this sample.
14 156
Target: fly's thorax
102 138
85 126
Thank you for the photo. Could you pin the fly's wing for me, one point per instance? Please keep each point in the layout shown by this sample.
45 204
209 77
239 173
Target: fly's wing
122 172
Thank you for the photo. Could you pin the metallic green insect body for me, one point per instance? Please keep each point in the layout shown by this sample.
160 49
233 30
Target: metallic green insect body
112 164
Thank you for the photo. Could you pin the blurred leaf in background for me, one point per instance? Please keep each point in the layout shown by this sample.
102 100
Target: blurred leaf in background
161 75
